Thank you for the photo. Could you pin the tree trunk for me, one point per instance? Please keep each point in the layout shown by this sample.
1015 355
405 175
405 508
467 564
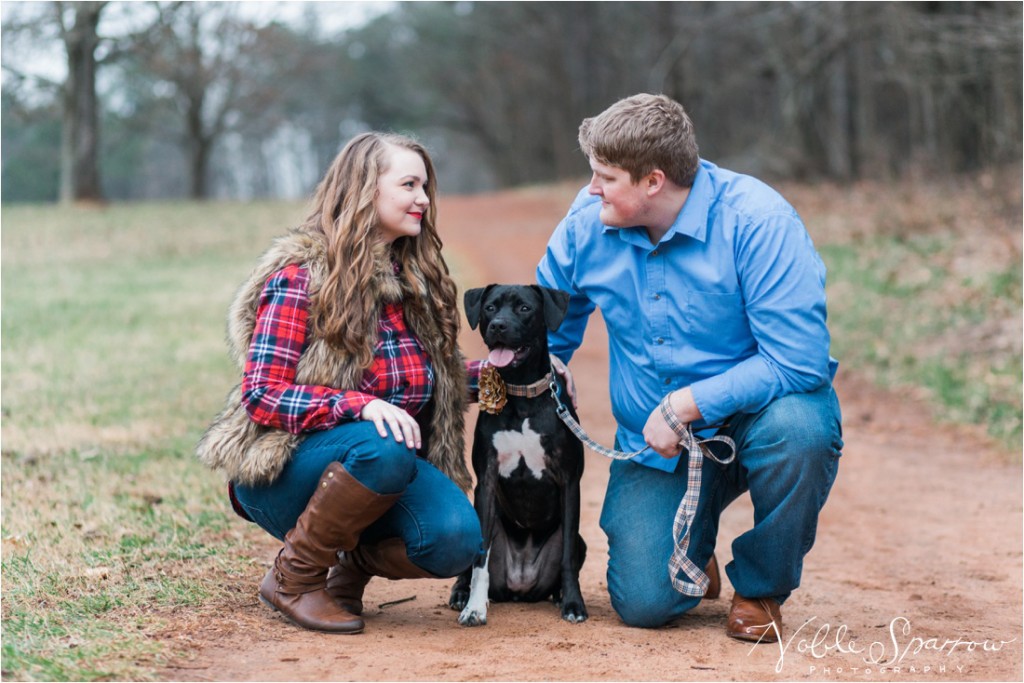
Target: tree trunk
80 172
198 140
199 153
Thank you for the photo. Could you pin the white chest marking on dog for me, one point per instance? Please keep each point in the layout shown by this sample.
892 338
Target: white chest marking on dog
513 447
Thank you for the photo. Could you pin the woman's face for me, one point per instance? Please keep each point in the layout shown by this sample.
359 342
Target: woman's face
401 194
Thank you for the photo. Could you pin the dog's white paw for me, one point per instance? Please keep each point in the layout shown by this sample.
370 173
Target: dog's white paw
475 612
473 617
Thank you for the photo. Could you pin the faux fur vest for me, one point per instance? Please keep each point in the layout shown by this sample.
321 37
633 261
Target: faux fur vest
249 453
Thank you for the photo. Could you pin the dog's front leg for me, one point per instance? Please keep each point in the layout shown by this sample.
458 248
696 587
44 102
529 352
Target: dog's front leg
573 609
474 613
459 596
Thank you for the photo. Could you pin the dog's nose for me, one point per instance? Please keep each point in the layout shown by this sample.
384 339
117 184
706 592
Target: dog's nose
498 325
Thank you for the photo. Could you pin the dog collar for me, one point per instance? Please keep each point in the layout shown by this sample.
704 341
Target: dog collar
493 389
530 390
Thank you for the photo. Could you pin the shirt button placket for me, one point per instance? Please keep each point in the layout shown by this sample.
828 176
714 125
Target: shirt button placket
659 318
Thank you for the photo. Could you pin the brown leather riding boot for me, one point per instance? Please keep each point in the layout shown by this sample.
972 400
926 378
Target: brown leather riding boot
347 580
338 511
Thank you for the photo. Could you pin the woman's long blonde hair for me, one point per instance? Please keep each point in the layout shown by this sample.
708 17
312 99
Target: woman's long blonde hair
344 210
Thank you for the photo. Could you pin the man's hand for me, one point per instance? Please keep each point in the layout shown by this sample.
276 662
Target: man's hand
658 435
403 425
563 370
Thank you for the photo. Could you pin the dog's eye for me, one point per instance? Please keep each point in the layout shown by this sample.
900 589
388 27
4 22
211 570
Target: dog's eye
525 309
489 308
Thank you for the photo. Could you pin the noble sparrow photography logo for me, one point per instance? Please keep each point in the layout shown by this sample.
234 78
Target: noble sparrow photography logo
900 651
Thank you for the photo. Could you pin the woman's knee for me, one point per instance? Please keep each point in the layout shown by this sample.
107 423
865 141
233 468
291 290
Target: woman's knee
385 466
380 463
454 544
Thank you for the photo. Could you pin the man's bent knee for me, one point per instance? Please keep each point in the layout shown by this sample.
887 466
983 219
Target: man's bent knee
643 612
651 606
811 417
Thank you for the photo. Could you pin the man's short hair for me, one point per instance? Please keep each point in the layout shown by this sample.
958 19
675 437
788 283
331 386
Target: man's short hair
641 133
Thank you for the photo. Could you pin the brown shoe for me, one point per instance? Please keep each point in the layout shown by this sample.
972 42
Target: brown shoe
714 579
347 580
336 514
755 619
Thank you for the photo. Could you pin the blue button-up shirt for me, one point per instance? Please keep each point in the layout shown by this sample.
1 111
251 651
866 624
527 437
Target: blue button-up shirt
730 302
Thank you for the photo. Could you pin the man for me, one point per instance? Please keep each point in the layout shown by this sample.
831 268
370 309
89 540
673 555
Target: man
714 300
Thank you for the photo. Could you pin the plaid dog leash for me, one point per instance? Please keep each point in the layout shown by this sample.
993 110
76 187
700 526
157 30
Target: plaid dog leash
697 451
683 523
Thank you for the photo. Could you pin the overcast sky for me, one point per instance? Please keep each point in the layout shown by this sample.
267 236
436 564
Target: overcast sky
48 60
334 15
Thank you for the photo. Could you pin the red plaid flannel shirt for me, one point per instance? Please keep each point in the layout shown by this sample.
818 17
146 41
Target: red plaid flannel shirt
401 374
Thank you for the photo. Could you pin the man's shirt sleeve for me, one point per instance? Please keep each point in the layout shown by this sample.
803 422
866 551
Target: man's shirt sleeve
782 280
557 271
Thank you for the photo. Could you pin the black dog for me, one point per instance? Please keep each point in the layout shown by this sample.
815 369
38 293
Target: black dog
527 463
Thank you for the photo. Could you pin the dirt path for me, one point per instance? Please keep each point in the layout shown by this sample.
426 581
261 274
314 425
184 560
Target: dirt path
923 530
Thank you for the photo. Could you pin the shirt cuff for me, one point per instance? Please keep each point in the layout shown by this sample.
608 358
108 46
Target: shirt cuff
350 404
713 399
473 378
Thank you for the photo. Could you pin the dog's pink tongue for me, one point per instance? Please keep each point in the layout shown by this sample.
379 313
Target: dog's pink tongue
500 357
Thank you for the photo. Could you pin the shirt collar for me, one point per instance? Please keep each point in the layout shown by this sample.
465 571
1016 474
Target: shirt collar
692 220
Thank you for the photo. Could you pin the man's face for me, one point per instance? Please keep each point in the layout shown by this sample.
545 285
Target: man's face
623 203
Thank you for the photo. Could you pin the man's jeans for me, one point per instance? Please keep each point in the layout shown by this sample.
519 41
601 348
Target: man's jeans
787 456
433 516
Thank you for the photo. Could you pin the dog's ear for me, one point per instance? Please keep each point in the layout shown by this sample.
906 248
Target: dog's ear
472 300
556 303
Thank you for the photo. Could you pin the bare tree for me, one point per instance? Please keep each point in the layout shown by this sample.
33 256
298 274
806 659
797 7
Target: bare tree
35 29
203 51
80 170
812 90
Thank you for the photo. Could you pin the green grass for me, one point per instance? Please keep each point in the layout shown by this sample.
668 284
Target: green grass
924 291
97 551
112 317
113 361
899 316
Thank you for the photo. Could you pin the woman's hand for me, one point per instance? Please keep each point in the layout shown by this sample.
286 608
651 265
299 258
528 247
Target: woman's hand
563 370
402 425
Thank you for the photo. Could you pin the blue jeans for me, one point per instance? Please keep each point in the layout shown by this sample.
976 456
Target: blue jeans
433 516
787 456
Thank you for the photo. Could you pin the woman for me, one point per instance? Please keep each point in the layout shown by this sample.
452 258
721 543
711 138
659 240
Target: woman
347 334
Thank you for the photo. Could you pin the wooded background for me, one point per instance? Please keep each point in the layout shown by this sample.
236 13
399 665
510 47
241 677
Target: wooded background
116 100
